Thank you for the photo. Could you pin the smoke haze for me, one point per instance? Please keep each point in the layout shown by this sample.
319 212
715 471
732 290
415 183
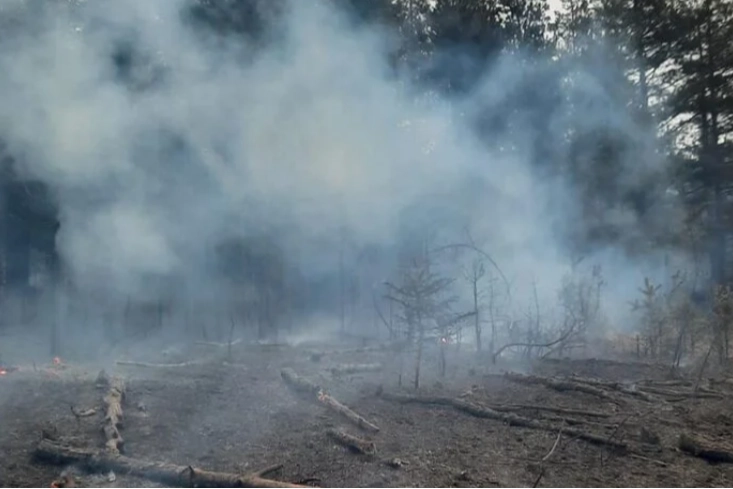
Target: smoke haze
308 136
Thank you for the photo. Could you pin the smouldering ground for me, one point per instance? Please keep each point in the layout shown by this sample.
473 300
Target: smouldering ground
242 417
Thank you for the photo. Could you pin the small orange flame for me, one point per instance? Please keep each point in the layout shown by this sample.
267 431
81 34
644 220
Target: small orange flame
3 371
56 361
444 340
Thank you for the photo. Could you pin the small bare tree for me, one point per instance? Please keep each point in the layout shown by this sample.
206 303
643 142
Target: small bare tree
651 316
421 296
660 314
580 299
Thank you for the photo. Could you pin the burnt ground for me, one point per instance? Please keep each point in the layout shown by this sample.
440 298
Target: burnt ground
241 417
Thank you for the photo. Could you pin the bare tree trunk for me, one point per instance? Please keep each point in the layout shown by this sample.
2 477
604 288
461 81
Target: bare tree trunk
402 368
492 318
391 320
420 341
476 319
342 288
442 359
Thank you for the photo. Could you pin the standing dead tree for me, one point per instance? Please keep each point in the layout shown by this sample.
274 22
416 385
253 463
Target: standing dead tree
388 320
474 276
722 320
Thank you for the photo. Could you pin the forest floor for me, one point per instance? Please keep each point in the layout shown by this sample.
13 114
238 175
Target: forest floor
238 415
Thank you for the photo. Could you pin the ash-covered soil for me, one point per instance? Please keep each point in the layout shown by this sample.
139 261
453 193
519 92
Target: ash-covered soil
239 416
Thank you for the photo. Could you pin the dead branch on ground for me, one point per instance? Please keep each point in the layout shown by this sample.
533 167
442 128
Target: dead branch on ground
554 446
704 450
352 442
303 385
83 413
509 418
174 475
559 385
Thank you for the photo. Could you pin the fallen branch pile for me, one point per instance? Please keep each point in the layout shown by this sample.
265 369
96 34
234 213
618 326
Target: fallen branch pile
509 418
617 386
559 385
644 391
303 385
174 475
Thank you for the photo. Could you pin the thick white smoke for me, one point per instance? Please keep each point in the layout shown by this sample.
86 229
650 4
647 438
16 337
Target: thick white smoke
313 138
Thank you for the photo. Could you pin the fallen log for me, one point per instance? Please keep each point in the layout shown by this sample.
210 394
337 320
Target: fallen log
125 363
573 421
112 421
346 412
682 394
509 418
305 386
616 386
675 383
704 450
298 383
559 385
603 362
348 369
171 474
550 409
353 443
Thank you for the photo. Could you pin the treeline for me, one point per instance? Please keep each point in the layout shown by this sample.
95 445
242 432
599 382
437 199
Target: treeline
662 70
